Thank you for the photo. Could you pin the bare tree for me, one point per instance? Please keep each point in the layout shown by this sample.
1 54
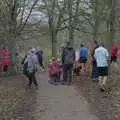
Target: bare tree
11 27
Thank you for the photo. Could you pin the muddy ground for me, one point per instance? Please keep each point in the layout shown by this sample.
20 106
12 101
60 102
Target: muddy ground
105 105
19 103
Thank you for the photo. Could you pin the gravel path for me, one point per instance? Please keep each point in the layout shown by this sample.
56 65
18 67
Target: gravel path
60 103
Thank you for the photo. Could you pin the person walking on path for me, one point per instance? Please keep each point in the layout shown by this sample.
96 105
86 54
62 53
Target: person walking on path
102 56
68 58
83 57
30 69
94 74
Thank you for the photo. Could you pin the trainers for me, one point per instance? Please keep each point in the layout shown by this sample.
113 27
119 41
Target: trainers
102 89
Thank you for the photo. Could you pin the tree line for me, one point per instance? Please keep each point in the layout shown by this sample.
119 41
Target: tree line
98 18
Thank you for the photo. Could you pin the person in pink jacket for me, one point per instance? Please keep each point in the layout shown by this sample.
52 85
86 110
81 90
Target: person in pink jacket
5 59
54 71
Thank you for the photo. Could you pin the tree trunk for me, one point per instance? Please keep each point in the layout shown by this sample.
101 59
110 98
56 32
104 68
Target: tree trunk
96 17
53 36
96 29
110 24
71 29
12 32
54 45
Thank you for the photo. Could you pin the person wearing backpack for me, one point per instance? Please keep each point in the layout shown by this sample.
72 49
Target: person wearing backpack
30 69
68 58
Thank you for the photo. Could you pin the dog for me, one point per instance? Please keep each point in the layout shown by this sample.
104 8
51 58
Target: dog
76 72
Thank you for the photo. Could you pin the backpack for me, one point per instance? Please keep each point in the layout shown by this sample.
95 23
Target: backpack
25 68
69 56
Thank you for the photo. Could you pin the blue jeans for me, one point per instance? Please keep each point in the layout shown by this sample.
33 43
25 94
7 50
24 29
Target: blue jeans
54 79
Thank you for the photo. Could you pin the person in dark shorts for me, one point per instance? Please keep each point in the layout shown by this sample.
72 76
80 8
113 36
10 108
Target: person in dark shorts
83 56
102 57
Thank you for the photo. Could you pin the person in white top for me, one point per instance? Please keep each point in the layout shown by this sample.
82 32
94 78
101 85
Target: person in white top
77 55
102 56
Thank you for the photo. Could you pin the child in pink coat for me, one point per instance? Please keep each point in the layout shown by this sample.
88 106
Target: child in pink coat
54 71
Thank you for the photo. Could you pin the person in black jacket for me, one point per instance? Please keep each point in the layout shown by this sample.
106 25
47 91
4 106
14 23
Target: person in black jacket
68 58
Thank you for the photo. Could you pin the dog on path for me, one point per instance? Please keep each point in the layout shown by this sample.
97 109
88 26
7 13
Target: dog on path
76 71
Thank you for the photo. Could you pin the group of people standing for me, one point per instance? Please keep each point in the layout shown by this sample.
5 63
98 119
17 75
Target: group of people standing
101 61
61 71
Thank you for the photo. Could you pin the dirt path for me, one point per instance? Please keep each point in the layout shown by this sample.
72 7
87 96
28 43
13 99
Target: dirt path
60 103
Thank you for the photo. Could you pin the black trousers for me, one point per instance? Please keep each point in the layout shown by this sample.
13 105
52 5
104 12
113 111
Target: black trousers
32 79
67 72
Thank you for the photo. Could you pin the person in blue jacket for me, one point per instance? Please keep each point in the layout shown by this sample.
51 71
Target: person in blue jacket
83 56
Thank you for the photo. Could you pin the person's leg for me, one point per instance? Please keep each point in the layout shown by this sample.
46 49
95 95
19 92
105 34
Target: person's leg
5 68
100 81
105 76
51 79
94 72
42 65
81 63
114 64
85 67
100 78
59 78
34 79
56 79
104 73
65 74
30 80
104 80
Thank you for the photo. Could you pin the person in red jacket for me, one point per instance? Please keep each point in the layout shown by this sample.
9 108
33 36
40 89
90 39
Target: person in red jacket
114 54
54 71
5 59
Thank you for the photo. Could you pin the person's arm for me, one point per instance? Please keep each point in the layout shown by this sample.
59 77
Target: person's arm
79 53
94 54
107 54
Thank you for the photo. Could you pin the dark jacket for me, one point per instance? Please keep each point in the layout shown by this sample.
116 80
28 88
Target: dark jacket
68 50
92 54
